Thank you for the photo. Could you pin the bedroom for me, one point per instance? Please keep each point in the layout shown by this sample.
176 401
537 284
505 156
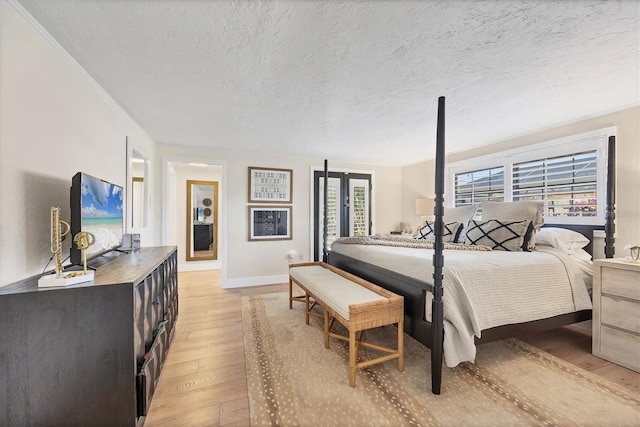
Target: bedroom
68 123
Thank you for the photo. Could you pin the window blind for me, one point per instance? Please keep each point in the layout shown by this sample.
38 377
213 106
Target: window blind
567 184
478 186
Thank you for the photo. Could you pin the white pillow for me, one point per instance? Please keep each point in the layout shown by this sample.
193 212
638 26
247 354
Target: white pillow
568 241
462 214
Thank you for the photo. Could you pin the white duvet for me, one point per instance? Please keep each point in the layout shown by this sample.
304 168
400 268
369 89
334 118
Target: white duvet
487 289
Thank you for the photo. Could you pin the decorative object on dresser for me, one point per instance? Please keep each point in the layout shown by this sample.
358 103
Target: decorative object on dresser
91 353
60 229
616 304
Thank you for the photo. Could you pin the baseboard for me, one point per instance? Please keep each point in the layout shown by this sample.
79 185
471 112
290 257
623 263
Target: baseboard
200 266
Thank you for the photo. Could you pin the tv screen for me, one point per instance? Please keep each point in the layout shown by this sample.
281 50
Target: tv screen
96 207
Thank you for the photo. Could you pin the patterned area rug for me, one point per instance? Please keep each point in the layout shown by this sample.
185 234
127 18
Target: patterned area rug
294 380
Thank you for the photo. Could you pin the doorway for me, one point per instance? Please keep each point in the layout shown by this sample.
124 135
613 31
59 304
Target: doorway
193 214
348 207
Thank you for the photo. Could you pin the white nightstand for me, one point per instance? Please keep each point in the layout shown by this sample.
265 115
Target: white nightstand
616 312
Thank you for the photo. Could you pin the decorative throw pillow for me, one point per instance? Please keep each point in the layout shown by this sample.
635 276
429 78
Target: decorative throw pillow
461 214
500 235
451 232
530 210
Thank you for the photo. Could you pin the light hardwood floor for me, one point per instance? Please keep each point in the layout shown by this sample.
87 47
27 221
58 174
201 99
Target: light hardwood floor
203 382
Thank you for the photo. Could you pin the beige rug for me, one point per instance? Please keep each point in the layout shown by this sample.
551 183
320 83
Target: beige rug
294 380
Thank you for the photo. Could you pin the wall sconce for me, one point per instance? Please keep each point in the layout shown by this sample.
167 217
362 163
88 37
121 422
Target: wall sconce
424 209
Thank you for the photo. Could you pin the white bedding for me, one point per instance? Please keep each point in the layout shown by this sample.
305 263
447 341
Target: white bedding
487 289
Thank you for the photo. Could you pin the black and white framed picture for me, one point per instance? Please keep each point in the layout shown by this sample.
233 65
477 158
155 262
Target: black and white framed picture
270 185
269 223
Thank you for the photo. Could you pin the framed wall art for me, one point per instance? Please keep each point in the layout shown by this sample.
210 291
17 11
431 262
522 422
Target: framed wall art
269 223
270 185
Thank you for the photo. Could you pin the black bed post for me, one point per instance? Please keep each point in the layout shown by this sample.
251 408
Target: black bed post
325 253
437 331
610 215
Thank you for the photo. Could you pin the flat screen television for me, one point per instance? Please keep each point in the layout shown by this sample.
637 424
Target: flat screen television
96 207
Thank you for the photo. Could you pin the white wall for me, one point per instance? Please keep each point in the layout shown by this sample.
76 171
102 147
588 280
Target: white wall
419 178
54 122
265 262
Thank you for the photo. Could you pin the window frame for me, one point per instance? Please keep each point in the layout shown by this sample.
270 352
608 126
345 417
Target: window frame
587 141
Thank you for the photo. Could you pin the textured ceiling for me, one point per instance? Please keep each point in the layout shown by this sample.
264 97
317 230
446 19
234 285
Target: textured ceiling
352 80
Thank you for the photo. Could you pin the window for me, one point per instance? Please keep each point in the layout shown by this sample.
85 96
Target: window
479 186
568 174
568 184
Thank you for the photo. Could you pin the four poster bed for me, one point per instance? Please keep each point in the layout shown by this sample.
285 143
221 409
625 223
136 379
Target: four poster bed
492 294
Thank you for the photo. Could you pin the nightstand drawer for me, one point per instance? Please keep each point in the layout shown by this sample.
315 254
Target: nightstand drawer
619 347
617 281
619 312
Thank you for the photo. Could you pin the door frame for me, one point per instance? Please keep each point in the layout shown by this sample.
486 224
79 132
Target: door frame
312 204
168 203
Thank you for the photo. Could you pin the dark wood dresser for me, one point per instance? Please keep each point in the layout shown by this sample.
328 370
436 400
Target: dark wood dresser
90 353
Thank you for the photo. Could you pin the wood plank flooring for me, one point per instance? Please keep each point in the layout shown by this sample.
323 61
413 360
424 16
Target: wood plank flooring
203 382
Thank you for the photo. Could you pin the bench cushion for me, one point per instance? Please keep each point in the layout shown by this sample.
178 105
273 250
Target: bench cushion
334 290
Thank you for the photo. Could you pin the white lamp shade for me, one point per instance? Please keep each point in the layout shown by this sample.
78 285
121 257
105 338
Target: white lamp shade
424 209
424 206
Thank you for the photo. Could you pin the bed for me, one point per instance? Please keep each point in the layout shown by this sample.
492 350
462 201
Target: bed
525 298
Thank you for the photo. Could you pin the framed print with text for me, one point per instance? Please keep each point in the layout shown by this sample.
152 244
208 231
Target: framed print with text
270 185
269 223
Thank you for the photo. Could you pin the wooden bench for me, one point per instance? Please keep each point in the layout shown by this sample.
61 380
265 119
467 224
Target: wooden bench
355 303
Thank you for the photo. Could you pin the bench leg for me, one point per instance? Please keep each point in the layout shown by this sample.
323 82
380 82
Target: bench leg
306 308
290 294
326 329
401 345
352 358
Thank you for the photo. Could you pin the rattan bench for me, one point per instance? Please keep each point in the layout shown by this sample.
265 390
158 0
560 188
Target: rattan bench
355 303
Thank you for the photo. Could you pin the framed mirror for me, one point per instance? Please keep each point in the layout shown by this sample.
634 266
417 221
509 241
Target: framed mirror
202 220
139 180
137 189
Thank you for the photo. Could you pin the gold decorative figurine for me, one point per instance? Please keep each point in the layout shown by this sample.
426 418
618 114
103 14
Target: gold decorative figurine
83 240
59 229
56 238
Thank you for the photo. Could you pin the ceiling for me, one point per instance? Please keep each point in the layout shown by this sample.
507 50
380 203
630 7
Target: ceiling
353 81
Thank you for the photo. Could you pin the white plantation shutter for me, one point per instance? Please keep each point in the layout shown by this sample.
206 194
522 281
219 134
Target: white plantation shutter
333 211
479 186
359 212
568 174
567 184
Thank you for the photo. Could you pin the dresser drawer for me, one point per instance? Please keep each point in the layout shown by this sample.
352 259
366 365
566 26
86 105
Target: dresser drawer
617 281
620 312
619 347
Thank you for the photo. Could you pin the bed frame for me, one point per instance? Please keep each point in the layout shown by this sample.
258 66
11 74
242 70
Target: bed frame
414 291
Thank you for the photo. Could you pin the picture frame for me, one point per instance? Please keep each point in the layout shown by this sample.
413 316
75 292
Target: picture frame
270 185
270 223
